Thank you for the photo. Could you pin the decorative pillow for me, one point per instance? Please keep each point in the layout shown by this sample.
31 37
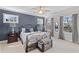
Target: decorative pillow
23 30
45 35
31 30
27 30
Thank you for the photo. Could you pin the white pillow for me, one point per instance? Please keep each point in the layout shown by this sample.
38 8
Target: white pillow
23 30
31 30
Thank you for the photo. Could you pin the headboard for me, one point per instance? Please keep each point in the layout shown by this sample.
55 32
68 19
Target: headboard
28 26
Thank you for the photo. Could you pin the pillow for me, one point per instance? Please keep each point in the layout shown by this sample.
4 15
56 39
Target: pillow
27 30
31 30
23 30
35 28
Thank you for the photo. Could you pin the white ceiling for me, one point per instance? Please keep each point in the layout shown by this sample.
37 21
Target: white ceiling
53 10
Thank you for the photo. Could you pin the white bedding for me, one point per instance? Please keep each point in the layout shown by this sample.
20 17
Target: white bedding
24 35
32 37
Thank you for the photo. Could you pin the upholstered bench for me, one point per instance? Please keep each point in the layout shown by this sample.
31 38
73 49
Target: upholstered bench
44 44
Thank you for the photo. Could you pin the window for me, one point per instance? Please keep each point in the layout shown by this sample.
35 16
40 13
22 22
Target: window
40 24
67 23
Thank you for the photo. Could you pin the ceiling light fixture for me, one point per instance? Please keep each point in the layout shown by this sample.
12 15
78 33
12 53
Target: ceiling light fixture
40 10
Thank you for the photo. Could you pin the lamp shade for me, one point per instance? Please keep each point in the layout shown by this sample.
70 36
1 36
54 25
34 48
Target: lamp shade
12 24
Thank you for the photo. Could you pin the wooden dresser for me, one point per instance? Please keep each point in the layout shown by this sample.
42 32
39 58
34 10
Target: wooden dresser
12 37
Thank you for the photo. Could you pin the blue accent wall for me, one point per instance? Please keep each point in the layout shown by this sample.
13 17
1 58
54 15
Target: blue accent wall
23 20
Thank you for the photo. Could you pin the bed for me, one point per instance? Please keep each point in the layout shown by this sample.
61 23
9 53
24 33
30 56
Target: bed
31 39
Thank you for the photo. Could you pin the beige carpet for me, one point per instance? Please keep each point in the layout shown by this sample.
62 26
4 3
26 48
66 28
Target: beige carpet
15 47
59 46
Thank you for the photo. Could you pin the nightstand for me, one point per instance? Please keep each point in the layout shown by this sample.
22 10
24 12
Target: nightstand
12 37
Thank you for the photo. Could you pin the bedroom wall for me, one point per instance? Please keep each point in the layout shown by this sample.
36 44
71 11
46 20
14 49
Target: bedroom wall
67 35
23 20
56 19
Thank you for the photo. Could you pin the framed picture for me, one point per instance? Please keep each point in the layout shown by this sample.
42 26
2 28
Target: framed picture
9 18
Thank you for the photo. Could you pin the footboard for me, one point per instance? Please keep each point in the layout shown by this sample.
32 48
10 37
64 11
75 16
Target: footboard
31 46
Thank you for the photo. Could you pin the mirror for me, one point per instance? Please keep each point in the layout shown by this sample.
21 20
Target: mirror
56 27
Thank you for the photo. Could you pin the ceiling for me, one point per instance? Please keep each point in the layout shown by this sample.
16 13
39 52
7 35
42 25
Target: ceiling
53 10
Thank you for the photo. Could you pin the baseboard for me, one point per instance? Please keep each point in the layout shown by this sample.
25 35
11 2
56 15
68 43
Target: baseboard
4 41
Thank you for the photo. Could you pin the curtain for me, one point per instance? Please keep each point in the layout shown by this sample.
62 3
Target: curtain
74 28
52 27
45 24
61 34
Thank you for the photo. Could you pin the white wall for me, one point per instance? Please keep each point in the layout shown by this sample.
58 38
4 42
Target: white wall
67 35
56 19
78 27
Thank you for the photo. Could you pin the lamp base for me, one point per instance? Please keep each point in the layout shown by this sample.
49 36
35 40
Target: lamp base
13 30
